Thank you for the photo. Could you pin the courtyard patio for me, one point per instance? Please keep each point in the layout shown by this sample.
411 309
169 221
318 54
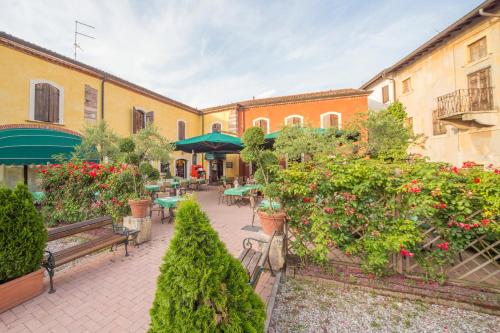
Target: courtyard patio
108 292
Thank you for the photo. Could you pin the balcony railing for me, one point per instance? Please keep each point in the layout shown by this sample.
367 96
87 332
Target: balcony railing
464 101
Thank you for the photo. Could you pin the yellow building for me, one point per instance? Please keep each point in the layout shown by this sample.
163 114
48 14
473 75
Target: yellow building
451 88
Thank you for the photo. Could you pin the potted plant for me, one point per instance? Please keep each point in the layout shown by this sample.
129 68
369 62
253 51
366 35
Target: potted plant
270 214
22 241
140 173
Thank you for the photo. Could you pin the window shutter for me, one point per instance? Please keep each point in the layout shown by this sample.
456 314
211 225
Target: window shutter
54 104
135 118
181 129
41 102
150 117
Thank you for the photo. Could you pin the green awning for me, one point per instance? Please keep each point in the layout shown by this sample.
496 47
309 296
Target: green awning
20 146
213 142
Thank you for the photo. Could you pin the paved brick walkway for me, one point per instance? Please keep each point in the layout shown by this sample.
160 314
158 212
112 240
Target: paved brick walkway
109 292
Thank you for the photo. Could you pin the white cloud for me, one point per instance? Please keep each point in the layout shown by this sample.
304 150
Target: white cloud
205 53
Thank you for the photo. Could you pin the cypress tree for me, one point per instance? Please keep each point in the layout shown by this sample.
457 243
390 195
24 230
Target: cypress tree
201 287
22 234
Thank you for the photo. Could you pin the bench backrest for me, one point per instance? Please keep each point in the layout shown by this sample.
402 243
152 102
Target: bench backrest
76 228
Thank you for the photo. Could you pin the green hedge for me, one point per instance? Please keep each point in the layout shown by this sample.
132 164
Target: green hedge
22 234
202 288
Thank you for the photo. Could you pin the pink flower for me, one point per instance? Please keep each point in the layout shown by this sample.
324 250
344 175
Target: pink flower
328 210
414 190
443 246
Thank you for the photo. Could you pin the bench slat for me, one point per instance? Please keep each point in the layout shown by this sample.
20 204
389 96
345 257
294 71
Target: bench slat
243 253
64 256
252 265
76 228
248 257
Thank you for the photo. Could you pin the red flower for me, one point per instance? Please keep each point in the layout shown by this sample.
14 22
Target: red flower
313 186
461 225
305 221
443 246
476 225
485 221
328 210
93 173
406 253
414 190
328 174
477 180
307 200
468 164
467 226
455 170
414 181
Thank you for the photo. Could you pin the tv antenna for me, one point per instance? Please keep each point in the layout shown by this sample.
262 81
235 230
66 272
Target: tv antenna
77 33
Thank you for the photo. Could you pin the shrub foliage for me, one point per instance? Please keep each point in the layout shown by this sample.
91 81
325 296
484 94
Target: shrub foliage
201 287
22 234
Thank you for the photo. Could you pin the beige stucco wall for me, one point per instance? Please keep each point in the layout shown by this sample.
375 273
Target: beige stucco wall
443 71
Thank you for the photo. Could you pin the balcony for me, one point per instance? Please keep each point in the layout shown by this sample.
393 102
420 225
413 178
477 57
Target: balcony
466 108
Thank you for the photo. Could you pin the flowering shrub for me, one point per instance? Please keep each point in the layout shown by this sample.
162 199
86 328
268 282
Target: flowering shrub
78 190
374 209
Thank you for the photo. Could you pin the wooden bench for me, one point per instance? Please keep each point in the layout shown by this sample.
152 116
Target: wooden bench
254 260
115 236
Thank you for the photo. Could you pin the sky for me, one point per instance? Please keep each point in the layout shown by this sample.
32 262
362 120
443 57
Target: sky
212 52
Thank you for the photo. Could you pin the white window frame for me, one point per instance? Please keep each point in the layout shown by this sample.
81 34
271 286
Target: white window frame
268 122
31 111
338 114
294 116
185 128
216 122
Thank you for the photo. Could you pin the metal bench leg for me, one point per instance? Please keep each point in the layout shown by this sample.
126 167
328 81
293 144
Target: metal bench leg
270 267
126 247
50 267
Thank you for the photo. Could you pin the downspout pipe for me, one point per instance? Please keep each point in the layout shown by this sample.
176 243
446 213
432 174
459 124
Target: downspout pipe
483 13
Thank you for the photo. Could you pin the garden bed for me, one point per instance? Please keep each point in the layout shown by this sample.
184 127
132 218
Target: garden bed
470 298
320 306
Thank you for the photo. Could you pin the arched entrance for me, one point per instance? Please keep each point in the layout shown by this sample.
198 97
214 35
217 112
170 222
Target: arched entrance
181 169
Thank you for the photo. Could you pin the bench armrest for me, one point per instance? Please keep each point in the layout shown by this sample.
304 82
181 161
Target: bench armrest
119 229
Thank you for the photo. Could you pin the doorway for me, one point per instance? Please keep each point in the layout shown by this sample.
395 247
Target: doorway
181 168
216 170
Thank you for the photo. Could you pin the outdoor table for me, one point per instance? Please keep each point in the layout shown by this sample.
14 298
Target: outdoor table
240 191
170 203
152 189
266 204
38 196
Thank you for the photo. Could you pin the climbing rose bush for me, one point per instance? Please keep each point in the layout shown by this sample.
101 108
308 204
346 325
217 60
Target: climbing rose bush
79 190
373 209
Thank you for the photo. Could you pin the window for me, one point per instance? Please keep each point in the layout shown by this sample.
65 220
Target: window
480 92
140 119
477 50
90 106
46 102
294 120
216 127
331 119
438 127
263 123
181 129
406 85
385 94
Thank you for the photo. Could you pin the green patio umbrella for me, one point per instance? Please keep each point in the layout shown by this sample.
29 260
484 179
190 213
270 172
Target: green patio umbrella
212 142
24 146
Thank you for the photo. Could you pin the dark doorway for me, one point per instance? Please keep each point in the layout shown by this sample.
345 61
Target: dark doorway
216 170
181 168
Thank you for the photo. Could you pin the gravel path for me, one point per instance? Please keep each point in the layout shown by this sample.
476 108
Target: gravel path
303 306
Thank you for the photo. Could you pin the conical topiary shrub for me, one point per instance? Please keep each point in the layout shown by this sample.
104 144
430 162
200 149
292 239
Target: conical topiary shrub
201 287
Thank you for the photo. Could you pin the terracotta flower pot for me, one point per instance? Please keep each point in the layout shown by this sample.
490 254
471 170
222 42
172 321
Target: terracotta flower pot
139 207
20 290
271 222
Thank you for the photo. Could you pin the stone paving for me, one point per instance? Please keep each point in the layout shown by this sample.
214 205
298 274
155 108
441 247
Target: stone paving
108 292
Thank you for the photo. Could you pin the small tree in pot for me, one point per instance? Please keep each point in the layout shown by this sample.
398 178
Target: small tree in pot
271 216
22 241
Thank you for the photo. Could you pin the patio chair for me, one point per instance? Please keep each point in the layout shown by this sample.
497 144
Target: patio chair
156 207
254 204
221 189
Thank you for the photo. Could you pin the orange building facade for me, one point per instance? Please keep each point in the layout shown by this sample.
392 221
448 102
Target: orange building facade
325 109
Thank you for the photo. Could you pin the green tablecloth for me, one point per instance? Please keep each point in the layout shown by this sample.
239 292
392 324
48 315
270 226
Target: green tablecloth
265 204
242 190
38 196
168 202
152 188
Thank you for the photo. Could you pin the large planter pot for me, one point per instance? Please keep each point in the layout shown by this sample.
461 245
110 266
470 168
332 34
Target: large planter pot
271 222
139 207
21 289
